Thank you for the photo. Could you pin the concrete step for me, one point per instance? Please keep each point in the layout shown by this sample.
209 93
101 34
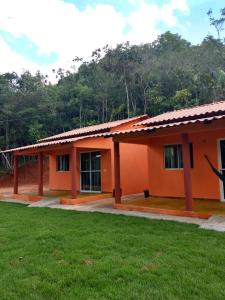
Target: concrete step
45 202
215 223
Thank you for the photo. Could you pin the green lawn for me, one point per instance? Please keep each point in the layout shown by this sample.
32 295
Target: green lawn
56 254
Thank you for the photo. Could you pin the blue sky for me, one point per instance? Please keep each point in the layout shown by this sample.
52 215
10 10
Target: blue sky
46 34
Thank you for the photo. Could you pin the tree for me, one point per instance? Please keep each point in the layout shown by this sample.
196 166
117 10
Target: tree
121 61
152 78
217 23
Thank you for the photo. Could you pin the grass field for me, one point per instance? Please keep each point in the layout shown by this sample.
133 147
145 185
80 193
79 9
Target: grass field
55 254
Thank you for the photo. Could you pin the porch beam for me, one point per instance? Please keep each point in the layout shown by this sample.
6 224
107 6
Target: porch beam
73 172
15 174
187 172
117 172
40 173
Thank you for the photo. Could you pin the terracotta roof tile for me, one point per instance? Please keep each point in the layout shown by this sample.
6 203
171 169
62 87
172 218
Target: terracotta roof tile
165 125
76 134
195 112
93 129
44 144
49 143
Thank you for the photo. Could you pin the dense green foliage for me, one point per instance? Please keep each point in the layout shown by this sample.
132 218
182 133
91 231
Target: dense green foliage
55 254
167 74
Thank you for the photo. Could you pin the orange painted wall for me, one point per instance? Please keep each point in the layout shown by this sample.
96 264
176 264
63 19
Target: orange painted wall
205 184
106 171
58 180
62 180
94 143
134 169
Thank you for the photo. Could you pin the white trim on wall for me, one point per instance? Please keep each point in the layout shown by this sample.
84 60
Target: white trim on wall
222 198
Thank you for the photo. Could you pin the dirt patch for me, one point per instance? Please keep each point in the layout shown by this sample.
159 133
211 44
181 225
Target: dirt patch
7 192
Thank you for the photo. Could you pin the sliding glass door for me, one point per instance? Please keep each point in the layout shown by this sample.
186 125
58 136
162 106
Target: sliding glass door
90 171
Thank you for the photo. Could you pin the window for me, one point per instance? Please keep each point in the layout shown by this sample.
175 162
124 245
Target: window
62 163
173 158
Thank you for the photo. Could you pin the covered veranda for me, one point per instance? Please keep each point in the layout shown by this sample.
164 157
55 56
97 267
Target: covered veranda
186 204
71 195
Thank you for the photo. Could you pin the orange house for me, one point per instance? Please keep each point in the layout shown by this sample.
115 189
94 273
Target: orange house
181 145
82 161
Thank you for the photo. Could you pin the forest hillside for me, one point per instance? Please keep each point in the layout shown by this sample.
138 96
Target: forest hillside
169 73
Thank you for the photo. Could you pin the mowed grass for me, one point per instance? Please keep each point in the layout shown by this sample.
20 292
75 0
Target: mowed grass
55 254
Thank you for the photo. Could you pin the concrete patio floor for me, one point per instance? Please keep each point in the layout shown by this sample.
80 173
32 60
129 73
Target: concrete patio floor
199 205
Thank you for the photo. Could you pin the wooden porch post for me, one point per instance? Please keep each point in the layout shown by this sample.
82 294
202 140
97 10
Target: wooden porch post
40 174
73 172
117 172
15 174
187 172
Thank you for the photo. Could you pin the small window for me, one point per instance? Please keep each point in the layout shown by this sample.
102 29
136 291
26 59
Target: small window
62 163
173 158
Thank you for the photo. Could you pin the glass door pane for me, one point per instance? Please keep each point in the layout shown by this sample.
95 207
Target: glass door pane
95 161
85 162
85 166
85 181
96 181
90 170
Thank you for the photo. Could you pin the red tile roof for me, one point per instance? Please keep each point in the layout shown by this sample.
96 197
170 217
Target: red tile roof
165 125
94 128
76 134
55 142
44 144
195 112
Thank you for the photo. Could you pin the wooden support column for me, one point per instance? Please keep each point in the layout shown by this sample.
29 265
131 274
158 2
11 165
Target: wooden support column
187 172
40 174
117 172
74 172
15 174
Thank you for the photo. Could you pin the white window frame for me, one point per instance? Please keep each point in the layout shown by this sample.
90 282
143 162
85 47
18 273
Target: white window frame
90 171
219 161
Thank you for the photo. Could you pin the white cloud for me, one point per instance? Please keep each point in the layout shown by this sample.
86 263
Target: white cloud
56 26
11 61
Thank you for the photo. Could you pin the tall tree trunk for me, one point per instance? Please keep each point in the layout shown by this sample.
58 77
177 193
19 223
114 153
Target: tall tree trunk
133 102
80 114
103 110
145 100
106 109
6 160
128 100
7 134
